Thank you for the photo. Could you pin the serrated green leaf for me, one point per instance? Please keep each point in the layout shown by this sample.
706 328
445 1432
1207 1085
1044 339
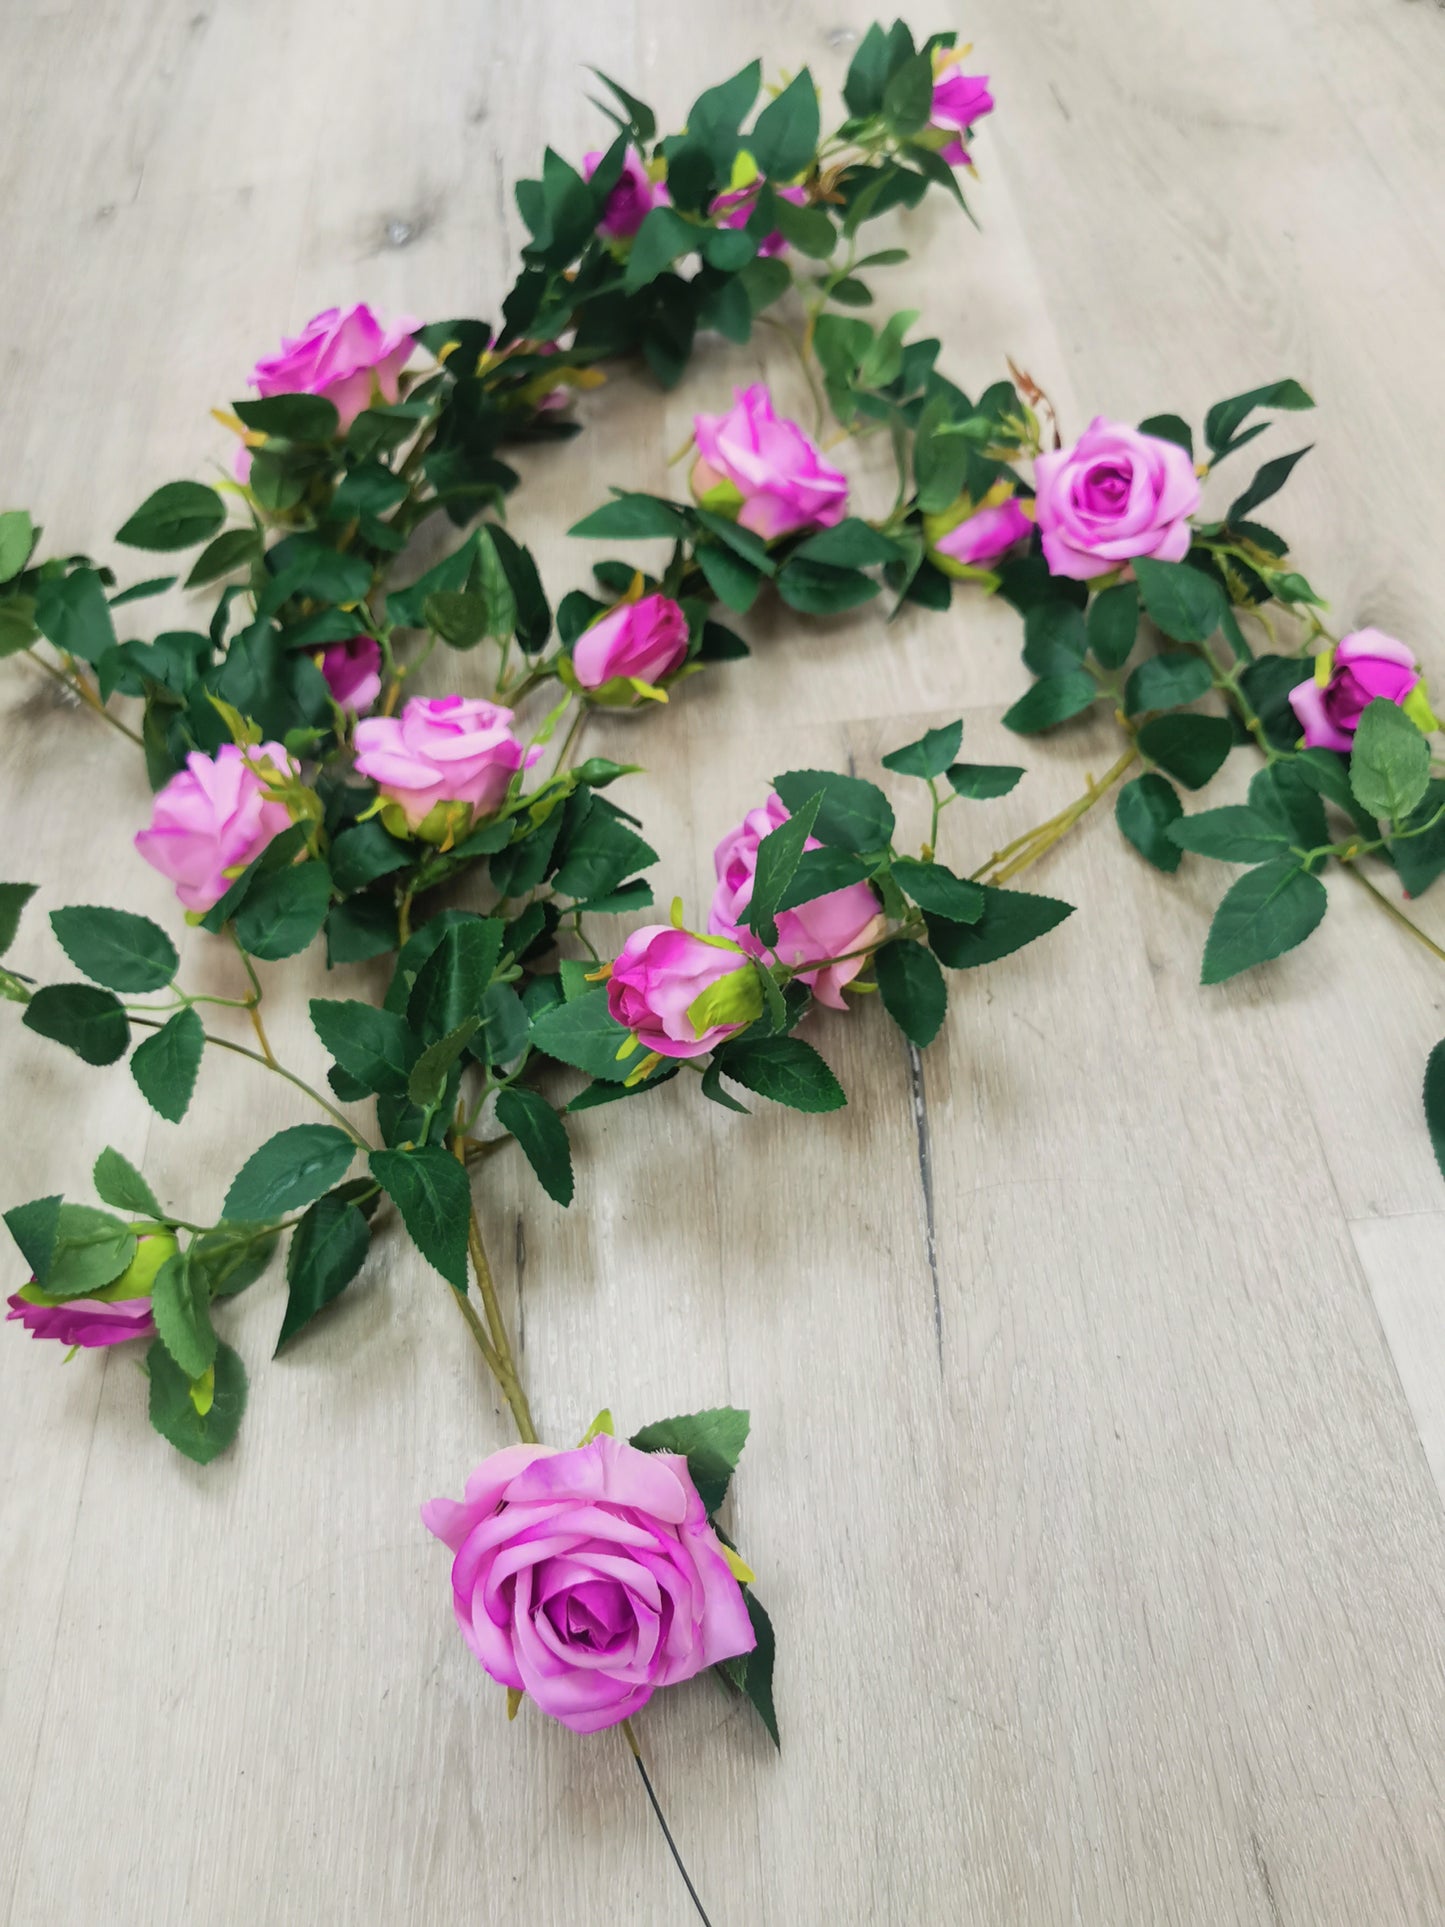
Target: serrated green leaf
115 947
175 1413
542 1136
1191 748
1167 681
86 1020
176 516
117 1182
1233 834
284 910
91 1250
1182 601
1264 913
981 781
930 755
934 888
854 814
430 1190
430 1072
328 1248
711 1442
289 1170
1144 811
785 1069
913 990
181 1306
13 899
1390 762
1011 919
1051 700
165 1065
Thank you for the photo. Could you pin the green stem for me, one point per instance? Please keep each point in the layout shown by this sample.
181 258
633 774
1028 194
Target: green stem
492 1341
80 688
240 1050
1394 910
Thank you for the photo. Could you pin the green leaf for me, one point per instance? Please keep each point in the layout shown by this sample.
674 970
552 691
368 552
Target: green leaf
429 1074
850 544
284 911
1191 748
854 814
165 1065
1270 479
784 1069
1390 762
868 74
1286 798
819 873
936 889
430 1190
778 856
662 238
542 1136
752 1673
1182 601
784 138
71 611
600 853
1225 418
583 1033
360 929
1420 859
1051 700
459 617
734 581
711 1086
1167 681
931 755
980 781
908 96
1144 812
1170 428
17 539
232 1256
181 1305
1234 834
88 1021
117 1182
634 518
116 948
711 1442
294 418
505 1030
365 852
1055 641
1264 913
177 516
1113 623
374 1046
13 899
1435 1101
328 1248
644 124
533 618
35 1227
231 550
913 990
90 1251
289 1170
715 116
173 1407
817 589
452 982
1011 919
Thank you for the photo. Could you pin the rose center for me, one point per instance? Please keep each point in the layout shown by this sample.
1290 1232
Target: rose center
594 1615
1106 488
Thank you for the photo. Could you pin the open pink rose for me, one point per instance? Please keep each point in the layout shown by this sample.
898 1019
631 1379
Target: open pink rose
832 926
1114 495
979 538
959 100
589 1578
753 457
631 201
646 639
1360 669
342 354
442 749
353 672
659 975
212 819
735 210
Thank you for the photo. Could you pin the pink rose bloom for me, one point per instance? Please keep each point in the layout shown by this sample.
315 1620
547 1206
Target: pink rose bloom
589 1578
735 210
831 926
1362 667
959 100
1114 495
84 1321
442 749
658 976
646 639
341 355
212 819
631 201
353 672
783 481
983 536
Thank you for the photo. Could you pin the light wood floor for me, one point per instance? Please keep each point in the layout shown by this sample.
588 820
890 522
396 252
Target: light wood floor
1099 1510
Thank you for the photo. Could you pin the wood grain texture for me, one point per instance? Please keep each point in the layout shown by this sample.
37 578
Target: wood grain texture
1090 1359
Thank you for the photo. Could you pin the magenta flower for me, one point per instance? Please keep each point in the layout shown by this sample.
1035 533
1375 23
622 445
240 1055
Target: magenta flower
754 461
1114 495
979 537
353 673
1361 668
658 978
631 201
646 639
831 926
343 354
589 1578
735 210
212 819
959 101
82 1321
441 750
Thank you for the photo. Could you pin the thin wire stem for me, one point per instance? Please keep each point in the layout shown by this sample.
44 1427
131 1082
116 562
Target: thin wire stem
692 1892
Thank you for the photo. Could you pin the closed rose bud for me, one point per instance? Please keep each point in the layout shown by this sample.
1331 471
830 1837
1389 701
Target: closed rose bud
963 540
212 819
1114 495
959 100
755 464
835 925
353 673
631 200
1362 668
442 751
680 994
589 1578
120 1311
344 355
644 641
